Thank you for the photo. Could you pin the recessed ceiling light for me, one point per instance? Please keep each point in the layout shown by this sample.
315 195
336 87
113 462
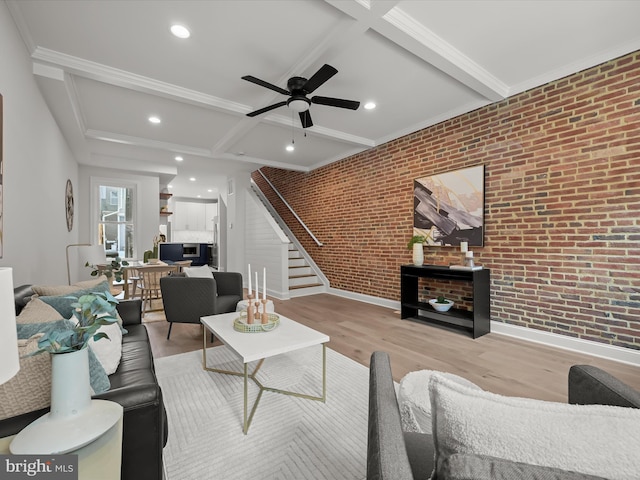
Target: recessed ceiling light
154 119
290 148
192 179
209 190
369 105
179 158
170 186
198 196
180 31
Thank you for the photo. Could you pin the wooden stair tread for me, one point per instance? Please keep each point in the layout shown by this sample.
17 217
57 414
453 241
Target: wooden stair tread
306 285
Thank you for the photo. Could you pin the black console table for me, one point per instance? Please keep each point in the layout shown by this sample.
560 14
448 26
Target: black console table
476 322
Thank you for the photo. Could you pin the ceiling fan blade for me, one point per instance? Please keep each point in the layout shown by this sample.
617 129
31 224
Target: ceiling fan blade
262 83
336 102
318 78
266 109
305 119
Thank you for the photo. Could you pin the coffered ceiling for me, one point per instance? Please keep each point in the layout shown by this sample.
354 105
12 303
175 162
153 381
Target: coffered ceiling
104 67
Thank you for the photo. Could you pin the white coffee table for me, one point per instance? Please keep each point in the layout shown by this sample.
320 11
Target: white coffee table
287 337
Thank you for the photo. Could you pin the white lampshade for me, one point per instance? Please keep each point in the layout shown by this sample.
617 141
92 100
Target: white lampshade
298 104
9 359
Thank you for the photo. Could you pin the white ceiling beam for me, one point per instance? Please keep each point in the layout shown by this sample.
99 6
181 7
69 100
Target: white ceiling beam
120 78
387 19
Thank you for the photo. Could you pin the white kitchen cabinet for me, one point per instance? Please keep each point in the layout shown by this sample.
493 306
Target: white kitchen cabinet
194 216
180 216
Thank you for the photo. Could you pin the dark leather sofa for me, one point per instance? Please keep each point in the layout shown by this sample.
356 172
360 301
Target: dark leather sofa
134 386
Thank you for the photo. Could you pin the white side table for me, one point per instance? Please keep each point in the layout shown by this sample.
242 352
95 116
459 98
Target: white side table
99 460
242 305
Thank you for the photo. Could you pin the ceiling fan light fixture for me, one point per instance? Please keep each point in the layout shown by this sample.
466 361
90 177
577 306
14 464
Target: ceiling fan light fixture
298 104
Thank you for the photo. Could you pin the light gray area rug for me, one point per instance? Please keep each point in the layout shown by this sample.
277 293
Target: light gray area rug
289 438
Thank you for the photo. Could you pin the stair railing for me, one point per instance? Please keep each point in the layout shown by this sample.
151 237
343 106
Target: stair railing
318 242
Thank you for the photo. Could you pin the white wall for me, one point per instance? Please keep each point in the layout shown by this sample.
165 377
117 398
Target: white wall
234 253
37 163
268 248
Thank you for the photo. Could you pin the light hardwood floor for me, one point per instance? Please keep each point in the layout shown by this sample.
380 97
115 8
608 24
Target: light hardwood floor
497 363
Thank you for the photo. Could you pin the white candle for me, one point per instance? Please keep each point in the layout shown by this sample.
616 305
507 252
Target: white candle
469 254
264 283
464 246
249 279
257 288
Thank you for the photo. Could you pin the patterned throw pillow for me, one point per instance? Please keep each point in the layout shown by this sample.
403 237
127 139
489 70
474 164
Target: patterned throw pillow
62 303
36 311
67 289
30 388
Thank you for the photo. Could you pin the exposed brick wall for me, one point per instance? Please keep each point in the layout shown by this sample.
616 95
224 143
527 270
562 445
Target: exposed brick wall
562 215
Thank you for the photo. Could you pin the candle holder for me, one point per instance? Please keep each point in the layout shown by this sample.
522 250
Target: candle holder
257 311
250 309
265 316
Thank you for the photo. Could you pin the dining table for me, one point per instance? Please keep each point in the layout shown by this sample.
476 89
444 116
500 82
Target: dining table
134 266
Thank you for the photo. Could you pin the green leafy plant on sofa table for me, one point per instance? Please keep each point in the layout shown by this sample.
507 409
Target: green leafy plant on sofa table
91 312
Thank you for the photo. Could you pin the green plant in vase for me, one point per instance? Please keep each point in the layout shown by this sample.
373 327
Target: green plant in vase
90 312
114 269
441 304
149 254
416 239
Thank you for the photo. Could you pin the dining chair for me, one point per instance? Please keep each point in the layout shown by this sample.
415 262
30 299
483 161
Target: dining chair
149 284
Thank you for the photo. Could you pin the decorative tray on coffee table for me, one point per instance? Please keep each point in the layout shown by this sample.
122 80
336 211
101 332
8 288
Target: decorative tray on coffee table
240 323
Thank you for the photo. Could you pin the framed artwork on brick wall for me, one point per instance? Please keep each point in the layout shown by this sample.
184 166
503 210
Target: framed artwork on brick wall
448 208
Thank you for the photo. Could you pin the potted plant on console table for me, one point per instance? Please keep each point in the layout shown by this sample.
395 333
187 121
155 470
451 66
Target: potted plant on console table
441 304
416 244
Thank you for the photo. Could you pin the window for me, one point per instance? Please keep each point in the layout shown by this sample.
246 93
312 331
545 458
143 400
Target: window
115 215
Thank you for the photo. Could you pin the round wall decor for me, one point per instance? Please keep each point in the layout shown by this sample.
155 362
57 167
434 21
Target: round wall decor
68 204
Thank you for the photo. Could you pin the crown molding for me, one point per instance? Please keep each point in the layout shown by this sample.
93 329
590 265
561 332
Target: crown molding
441 54
121 78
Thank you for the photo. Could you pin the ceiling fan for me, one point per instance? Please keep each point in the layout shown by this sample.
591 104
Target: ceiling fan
298 88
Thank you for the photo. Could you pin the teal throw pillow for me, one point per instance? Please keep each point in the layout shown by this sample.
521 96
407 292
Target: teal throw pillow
62 303
97 376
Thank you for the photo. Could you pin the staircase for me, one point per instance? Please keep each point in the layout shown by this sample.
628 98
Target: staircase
302 279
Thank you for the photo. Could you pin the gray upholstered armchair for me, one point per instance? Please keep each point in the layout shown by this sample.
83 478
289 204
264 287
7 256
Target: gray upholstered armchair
186 299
